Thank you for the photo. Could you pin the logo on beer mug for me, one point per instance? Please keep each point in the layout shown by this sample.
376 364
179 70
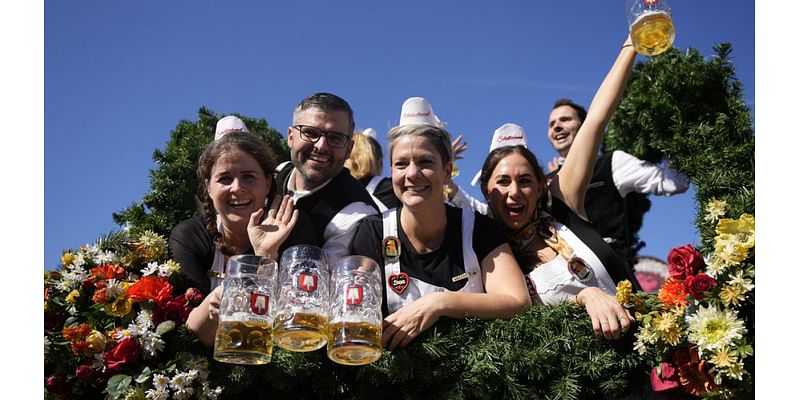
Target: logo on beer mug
308 282
259 303
354 295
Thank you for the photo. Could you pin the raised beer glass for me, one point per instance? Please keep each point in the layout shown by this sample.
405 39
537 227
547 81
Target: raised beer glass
302 320
651 27
246 311
356 320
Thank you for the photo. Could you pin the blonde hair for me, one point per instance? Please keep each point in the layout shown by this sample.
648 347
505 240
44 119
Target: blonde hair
438 136
366 158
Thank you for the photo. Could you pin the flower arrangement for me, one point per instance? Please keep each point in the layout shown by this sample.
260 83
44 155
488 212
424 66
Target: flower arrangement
113 326
698 331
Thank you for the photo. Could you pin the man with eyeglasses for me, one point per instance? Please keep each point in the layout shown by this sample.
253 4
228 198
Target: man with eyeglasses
329 200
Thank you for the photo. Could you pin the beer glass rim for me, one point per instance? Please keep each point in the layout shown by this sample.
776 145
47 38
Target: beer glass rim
308 249
254 264
346 264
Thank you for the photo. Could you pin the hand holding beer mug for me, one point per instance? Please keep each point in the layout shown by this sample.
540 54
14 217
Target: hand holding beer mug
244 335
356 296
302 320
651 26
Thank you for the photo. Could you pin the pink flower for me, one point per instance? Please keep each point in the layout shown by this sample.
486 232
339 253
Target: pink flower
698 284
667 380
684 261
126 351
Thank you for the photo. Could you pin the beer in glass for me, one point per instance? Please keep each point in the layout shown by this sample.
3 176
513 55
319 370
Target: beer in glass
246 312
651 27
356 321
301 323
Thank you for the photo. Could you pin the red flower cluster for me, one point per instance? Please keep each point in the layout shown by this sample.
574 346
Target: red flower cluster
153 288
684 264
695 375
126 351
178 308
107 271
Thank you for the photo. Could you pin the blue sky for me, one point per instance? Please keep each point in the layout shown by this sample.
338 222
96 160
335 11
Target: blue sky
120 75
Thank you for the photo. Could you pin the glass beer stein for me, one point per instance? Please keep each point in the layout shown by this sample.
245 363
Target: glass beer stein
356 322
651 27
246 311
302 320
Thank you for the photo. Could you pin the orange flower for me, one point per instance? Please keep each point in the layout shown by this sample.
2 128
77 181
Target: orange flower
77 337
100 296
150 287
107 271
696 379
672 294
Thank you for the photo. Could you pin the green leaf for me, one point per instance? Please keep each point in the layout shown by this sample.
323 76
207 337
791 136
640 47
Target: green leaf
117 385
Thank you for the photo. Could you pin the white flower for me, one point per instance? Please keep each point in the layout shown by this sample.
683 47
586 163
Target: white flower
97 362
46 346
738 280
157 394
151 268
210 394
151 343
199 364
160 381
711 329
144 320
114 288
103 257
72 279
184 393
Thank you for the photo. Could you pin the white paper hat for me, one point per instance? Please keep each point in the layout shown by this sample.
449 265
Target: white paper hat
418 111
369 132
229 124
506 135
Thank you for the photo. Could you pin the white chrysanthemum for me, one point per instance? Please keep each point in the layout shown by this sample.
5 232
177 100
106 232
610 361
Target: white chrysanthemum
150 269
645 336
79 261
184 393
210 394
160 381
715 209
144 320
156 394
151 344
46 346
199 364
710 328
98 363
182 380
738 280
114 289
735 370
72 279
123 333
103 257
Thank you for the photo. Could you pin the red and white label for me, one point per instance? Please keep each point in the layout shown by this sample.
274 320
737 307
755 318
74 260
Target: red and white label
307 282
354 295
259 303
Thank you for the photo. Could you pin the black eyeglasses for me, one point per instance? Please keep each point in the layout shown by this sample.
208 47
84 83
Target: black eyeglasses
311 134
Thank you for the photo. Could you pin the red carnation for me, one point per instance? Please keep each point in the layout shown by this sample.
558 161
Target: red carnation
698 284
193 296
666 380
684 261
150 287
126 351
176 310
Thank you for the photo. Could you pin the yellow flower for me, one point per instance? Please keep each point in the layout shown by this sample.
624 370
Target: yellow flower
67 258
95 343
729 250
172 266
744 229
715 209
624 289
731 295
121 307
736 370
72 297
715 266
666 325
151 246
722 357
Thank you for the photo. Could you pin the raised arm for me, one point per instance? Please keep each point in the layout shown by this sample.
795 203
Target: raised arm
573 179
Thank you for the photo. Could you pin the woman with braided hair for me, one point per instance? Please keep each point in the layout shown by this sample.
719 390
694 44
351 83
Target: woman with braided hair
235 176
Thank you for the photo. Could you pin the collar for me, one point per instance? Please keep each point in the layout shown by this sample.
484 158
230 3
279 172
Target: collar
299 194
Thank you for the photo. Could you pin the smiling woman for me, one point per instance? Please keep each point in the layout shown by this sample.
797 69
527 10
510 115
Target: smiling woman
439 261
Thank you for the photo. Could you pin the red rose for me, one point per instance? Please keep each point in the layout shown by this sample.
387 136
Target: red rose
150 287
176 310
698 284
667 380
193 296
56 384
126 351
93 377
684 261
84 372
